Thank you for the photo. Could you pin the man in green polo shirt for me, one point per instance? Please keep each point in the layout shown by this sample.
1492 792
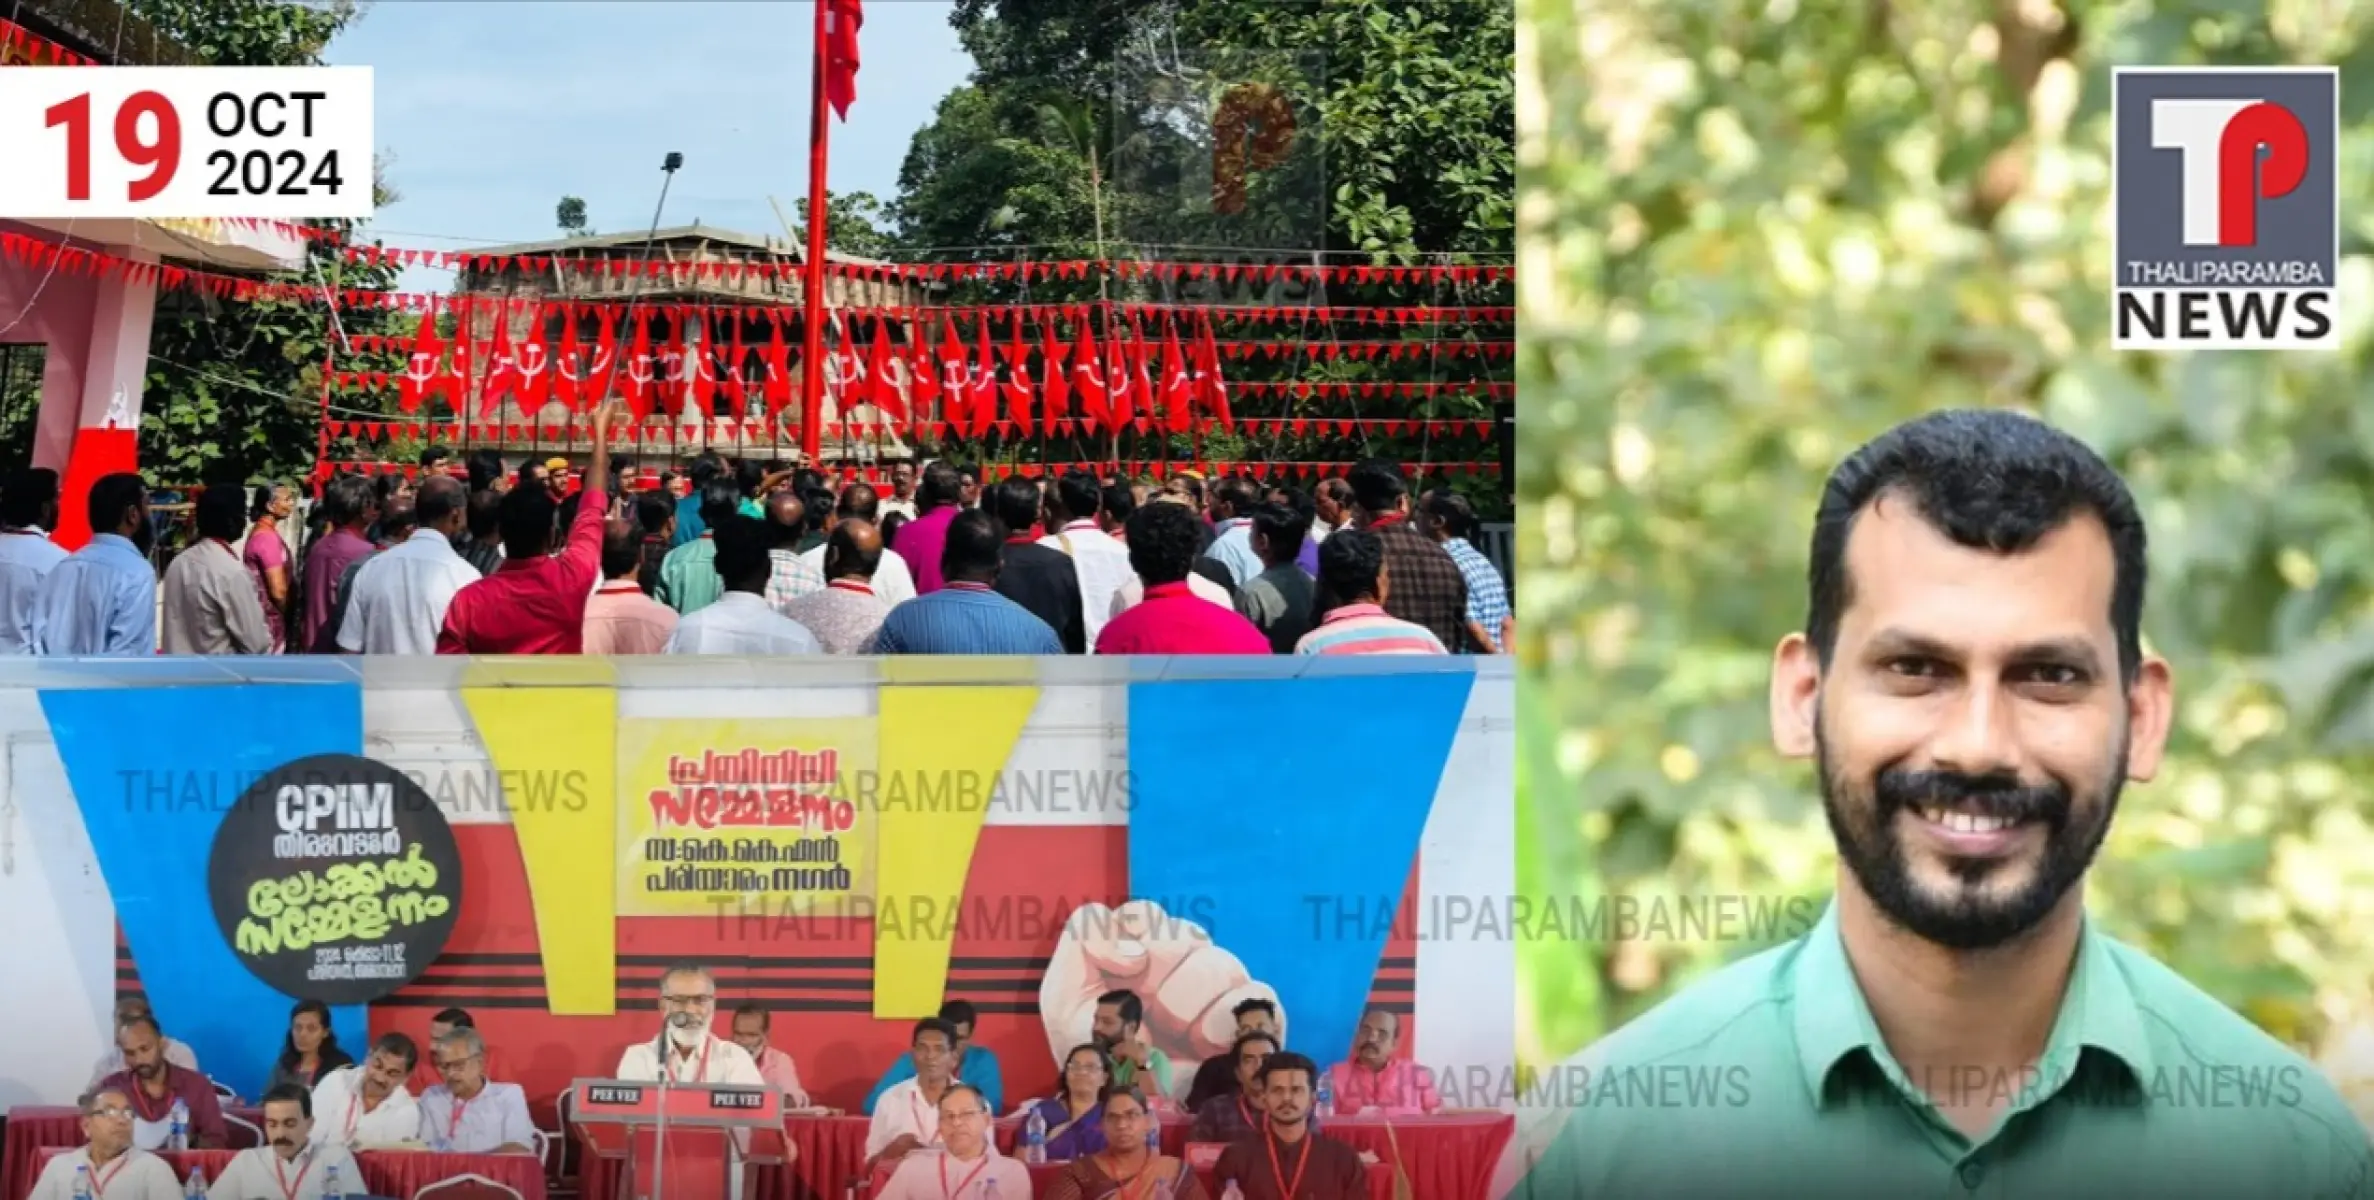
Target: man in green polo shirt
1972 690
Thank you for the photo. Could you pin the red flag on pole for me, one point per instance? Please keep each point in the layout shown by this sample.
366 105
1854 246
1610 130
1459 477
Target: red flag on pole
534 365
882 391
1178 392
1055 382
1017 354
1212 383
778 388
842 19
428 354
502 371
1094 407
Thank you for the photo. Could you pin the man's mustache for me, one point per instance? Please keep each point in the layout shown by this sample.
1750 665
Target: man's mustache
1997 794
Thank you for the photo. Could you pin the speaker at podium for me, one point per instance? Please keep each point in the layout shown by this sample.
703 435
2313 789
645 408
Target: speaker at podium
681 1141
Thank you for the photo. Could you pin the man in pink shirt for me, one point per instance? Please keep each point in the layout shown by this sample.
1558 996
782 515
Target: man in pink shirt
921 541
1375 1081
620 619
1163 542
751 1022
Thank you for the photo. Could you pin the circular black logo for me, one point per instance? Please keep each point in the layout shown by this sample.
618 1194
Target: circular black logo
335 878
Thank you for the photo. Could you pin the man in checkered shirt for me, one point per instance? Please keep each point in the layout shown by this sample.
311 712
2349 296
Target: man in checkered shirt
1450 520
1425 585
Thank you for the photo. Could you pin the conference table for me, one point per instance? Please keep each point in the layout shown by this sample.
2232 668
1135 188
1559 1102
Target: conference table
1043 1176
396 1173
1447 1156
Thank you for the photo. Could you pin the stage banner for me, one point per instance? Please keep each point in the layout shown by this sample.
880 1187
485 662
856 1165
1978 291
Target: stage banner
335 878
745 817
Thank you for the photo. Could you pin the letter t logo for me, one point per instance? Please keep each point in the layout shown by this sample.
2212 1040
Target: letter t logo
2223 177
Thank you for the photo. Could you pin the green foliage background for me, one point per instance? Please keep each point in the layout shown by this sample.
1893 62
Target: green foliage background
1753 235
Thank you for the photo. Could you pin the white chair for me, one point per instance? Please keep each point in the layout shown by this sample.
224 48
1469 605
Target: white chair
235 1127
563 1139
541 1141
468 1187
223 1091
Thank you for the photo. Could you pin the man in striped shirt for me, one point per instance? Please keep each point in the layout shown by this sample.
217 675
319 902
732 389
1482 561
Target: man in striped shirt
1352 570
1450 520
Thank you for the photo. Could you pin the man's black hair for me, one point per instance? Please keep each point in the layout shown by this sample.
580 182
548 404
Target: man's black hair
622 548
221 512
297 1094
346 500
1458 517
439 497
1283 528
1133 1010
1118 502
652 512
743 564
26 496
1990 480
486 513
400 1045
1163 540
1014 501
1350 561
1236 1049
859 500
706 466
976 540
459 1018
527 522
1287 1060
1254 1004
932 1025
960 1012
1377 485
940 485
720 499
113 498
430 456
1079 495
1239 494
485 467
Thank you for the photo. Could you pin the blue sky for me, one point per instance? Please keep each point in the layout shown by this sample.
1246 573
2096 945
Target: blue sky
494 111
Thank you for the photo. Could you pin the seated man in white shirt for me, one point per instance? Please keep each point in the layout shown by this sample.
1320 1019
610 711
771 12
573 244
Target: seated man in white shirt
288 1164
176 1052
907 1117
365 1104
688 1000
467 1114
969 1165
111 1164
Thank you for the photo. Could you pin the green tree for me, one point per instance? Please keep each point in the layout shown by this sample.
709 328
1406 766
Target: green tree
234 389
856 227
1083 125
569 214
1756 236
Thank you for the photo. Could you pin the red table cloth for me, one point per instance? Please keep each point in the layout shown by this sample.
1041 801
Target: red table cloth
829 1156
1042 1177
397 1173
1448 1156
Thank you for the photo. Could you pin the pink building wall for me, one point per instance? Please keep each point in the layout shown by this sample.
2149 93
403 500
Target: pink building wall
96 333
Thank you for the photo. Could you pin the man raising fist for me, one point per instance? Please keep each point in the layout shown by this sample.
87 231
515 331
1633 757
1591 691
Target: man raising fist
534 603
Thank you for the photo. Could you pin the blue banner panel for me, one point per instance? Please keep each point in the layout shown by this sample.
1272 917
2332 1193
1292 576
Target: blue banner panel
1275 827
154 770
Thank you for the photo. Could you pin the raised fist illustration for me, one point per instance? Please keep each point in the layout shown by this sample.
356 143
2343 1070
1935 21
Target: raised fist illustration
1187 983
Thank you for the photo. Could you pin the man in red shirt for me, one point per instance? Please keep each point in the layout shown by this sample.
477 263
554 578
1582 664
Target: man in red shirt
1163 542
534 603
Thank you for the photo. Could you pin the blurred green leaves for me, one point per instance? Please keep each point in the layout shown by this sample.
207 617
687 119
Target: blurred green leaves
1753 235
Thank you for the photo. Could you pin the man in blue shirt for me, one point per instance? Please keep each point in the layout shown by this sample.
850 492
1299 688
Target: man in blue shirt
709 465
975 1065
102 600
967 615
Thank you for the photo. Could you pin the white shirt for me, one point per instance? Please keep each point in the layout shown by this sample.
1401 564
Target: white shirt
257 1173
919 1177
1103 565
338 1116
134 1175
726 1062
26 556
893 582
742 624
496 1116
1135 590
886 506
176 1052
903 1110
401 594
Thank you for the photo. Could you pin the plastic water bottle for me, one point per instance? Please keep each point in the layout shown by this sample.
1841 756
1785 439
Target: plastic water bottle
1154 1137
82 1182
179 1137
1326 1101
195 1188
1232 1192
989 1190
1034 1137
1165 1189
329 1184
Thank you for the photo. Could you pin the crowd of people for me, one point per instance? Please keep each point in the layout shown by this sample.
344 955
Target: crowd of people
930 1115
747 558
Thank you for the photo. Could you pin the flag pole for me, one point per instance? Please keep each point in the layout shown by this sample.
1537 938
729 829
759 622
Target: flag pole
812 292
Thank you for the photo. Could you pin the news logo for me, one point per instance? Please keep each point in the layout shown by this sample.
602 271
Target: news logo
2225 198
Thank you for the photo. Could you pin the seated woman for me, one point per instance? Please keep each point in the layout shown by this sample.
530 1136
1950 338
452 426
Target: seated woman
1075 1124
1227 1117
311 1048
1127 1168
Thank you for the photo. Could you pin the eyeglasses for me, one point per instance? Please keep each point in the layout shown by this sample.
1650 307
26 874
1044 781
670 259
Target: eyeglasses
1115 1118
966 1115
1085 1068
691 1001
110 1114
455 1064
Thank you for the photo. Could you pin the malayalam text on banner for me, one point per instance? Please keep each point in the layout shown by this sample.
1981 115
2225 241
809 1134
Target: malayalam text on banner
726 816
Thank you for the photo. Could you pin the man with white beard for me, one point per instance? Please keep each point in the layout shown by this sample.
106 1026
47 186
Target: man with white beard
688 1001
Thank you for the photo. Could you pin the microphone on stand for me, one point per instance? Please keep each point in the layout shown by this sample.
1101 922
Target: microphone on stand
659 1142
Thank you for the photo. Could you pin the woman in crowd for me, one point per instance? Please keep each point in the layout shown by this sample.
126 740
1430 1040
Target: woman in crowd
1075 1123
311 1049
1127 1168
